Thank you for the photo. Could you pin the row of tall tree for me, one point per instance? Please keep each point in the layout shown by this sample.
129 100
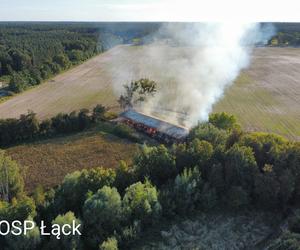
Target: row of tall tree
286 39
27 127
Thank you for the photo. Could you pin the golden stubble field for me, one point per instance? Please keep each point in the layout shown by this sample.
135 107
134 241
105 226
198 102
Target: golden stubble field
265 97
46 162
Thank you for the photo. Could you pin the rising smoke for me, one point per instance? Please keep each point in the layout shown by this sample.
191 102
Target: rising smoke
194 64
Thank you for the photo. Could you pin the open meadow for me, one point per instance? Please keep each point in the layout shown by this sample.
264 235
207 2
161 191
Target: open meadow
46 162
266 96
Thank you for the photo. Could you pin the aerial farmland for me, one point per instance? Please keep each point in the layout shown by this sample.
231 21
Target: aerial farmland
265 96
150 135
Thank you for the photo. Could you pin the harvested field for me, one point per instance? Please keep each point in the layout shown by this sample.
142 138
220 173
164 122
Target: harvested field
47 162
266 97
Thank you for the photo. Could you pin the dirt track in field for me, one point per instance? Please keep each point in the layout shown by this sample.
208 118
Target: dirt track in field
265 97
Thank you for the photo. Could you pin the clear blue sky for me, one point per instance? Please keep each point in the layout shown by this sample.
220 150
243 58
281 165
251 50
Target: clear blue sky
149 10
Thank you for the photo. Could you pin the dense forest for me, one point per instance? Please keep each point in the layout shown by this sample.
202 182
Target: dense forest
33 52
30 54
218 167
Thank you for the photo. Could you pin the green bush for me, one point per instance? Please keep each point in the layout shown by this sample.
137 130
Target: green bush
141 203
125 176
210 133
183 196
11 181
223 120
129 235
156 163
193 153
109 244
240 167
99 113
110 115
30 241
71 194
123 131
66 242
18 209
17 83
266 147
102 214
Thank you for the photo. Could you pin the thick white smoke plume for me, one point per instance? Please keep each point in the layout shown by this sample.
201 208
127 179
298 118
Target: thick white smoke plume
193 64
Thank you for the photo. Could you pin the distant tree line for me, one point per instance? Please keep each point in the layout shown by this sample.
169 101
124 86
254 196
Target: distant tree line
287 34
29 55
286 39
28 128
219 166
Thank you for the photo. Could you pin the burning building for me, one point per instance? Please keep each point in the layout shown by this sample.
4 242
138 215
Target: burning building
153 126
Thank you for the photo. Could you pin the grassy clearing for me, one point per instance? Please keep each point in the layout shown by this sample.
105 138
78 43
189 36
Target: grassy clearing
46 162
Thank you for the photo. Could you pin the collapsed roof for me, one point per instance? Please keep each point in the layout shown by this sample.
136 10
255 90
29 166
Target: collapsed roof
161 126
